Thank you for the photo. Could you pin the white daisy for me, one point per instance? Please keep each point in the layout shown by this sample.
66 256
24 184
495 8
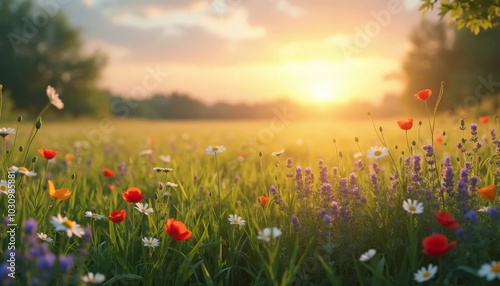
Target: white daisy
4 187
269 233
93 278
151 242
7 131
64 224
170 184
413 207
143 208
484 209
377 152
212 150
367 255
13 169
167 159
425 274
26 172
93 215
490 270
42 236
54 98
277 154
146 152
234 219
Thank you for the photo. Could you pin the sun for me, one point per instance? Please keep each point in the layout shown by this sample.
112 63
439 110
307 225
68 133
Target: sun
323 92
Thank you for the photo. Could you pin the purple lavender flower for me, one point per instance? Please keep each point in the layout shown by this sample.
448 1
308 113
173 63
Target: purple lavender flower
376 168
122 169
429 151
273 190
473 132
323 175
289 163
373 178
295 223
327 193
493 135
344 189
298 177
66 263
359 166
472 216
327 219
46 262
30 226
493 212
335 171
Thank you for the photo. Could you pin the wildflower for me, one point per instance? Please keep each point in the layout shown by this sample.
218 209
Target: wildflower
4 187
69 157
4 132
48 153
425 274
413 207
438 139
423 94
446 219
170 184
406 124
377 152
295 223
490 270
367 255
132 195
61 194
437 245
151 242
66 263
108 173
263 200
212 150
488 193
26 172
177 230
117 216
54 98
64 224
269 233
93 215
277 154
484 119
146 152
234 219
143 208
93 278
167 159
484 209
43 237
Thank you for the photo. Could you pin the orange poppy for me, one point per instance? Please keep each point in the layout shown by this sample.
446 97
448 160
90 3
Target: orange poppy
488 193
406 124
59 194
484 119
48 153
423 94
177 230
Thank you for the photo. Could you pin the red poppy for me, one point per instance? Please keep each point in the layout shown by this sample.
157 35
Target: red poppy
177 230
446 219
423 94
48 153
108 172
117 216
263 200
439 139
111 187
132 195
437 245
406 124
484 119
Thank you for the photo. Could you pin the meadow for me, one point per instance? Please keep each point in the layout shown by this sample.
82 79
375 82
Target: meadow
283 201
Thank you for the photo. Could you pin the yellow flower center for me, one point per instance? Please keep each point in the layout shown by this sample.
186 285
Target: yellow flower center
3 187
495 268
215 148
69 224
143 210
93 214
236 220
149 242
412 208
426 274
23 169
377 153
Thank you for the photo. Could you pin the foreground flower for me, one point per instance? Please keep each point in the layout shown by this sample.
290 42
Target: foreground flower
377 152
132 195
177 230
406 124
94 279
143 208
108 173
93 215
423 94
117 216
484 119
425 274
269 233
61 194
488 193
64 224
437 245
234 219
212 150
446 219
367 255
277 154
48 154
43 237
263 200
4 187
151 242
490 270
413 207
54 98
7 131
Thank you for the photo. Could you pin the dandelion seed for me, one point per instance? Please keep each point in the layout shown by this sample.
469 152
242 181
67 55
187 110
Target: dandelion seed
368 255
54 98
425 274
151 242
269 233
413 207
234 219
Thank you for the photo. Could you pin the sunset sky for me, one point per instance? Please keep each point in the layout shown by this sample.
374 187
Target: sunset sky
249 50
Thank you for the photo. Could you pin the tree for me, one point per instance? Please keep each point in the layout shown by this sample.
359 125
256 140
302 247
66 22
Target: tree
39 48
472 14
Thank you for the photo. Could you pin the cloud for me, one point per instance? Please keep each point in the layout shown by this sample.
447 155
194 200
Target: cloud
285 6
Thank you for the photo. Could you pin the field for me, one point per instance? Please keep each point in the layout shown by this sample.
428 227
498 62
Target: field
328 210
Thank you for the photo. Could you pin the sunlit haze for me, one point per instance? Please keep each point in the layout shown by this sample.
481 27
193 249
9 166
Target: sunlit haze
250 50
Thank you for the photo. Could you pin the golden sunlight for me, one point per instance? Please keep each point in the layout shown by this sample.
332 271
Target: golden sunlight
324 92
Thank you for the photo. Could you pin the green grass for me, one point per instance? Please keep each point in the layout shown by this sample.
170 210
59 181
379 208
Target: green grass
218 253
